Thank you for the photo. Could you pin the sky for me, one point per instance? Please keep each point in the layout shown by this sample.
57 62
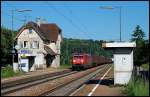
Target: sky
82 19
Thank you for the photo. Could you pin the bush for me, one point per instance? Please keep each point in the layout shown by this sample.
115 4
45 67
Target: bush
145 66
137 87
7 71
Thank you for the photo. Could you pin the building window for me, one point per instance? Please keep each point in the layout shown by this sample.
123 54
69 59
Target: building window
52 41
31 45
30 31
35 44
21 44
25 44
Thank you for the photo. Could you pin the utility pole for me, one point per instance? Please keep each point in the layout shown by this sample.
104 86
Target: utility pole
12 11
120 23
25 18
67 50
22 11
12 38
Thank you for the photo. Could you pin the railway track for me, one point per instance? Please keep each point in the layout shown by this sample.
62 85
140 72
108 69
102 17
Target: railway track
58 84
13 86
66 89
92 86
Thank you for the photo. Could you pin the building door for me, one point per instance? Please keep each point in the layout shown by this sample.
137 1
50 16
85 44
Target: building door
24 64
31 61
49 58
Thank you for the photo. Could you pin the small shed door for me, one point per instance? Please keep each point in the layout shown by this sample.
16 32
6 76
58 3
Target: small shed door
24 64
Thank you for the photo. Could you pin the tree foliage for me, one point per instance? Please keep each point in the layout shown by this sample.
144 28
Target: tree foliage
141 52
6 45
138 34
70 46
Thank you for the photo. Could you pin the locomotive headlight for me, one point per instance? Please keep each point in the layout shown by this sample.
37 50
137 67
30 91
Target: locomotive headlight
74 60
82 60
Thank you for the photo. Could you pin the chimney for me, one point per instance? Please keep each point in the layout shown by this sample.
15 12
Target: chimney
43 21
38 21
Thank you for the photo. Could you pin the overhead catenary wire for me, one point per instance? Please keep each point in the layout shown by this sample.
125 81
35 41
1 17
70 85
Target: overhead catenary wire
17 10
77 19
21 20
72 23
68 19
81 24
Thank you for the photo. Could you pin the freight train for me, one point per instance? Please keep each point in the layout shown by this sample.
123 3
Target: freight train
84 61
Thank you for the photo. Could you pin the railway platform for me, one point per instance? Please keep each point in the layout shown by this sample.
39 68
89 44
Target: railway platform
97 87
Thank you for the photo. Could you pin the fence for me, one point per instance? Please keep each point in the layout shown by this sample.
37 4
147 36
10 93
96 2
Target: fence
140 72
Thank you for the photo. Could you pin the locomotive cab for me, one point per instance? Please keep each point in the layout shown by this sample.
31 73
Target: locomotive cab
78 59
81 61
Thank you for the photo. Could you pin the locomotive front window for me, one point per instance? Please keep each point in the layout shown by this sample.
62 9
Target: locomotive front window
78 57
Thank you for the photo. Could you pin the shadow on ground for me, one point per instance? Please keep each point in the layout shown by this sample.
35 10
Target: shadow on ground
106 82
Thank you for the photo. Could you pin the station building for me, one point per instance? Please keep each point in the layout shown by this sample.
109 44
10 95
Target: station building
38 46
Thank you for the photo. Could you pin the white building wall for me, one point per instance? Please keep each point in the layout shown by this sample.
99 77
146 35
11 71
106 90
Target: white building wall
40 61
56 47
123 65
53 64
56 62
122 77
15 67
53 47
38 53
25 36
58 42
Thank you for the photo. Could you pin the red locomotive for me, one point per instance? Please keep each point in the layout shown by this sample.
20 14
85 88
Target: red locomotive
82 61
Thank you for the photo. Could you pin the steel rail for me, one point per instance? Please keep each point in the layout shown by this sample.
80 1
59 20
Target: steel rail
66 89
15 87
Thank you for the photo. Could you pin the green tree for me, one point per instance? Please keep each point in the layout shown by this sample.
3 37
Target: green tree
6 45
70 46
138 36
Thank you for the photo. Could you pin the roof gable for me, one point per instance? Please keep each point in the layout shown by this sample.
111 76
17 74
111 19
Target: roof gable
45 31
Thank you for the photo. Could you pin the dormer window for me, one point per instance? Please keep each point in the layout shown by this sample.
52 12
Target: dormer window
30 31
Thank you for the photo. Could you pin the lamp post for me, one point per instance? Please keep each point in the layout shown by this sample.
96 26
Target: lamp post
12 11
110 8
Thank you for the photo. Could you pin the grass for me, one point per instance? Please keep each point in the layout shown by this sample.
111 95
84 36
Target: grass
137 87
65 66
8 72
